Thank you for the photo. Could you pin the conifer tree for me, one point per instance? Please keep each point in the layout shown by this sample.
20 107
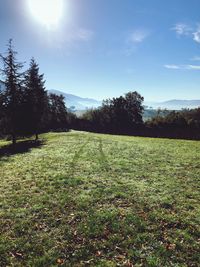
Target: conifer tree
13 91
35 95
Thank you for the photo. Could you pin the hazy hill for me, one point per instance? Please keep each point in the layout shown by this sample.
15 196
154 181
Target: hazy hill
182 103
78 102
176 104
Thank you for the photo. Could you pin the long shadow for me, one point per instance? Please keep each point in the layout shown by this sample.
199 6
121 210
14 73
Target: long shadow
76 158
20 147
102 159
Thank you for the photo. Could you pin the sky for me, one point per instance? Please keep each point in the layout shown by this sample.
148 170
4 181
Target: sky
105 48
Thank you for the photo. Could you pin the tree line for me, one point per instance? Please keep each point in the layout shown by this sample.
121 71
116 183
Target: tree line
117 115
25 106
124 115
175 124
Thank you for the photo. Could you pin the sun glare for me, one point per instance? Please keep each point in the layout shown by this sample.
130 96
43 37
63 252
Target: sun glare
46 12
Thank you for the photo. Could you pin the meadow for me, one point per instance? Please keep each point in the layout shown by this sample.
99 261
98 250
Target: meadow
84 199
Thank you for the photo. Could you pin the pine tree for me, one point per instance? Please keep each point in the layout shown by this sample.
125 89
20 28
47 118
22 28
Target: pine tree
35 95
13 91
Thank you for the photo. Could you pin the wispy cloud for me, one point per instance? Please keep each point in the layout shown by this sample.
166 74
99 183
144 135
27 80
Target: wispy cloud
182 67
133 39
196 35
173 67
138 36
182 29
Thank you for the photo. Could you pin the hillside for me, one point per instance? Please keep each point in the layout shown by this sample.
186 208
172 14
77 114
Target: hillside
82 199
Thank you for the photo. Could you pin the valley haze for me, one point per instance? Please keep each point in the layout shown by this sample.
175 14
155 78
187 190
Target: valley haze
84 103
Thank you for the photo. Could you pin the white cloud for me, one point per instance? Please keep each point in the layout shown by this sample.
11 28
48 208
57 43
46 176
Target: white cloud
196 35
182 29
138 36
173 67
183 67
133 39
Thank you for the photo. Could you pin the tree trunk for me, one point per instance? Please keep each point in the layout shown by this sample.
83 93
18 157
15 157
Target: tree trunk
36 137
13 140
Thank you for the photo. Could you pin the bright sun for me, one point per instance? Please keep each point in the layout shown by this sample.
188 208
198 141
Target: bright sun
46 12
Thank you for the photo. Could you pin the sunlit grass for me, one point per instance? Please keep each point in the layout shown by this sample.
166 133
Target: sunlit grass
85 199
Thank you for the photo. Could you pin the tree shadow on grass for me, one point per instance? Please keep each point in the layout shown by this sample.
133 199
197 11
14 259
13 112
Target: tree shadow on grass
20 147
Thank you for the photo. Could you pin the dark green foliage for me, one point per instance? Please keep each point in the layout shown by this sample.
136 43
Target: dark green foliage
182 118
35 97
58 116
117 115
13 96
25 107
178 124
123 115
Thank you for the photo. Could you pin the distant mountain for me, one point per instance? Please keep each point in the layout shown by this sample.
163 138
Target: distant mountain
78 102
174 104
84 103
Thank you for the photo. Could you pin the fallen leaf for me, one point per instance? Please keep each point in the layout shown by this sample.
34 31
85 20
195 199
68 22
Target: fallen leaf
60 261
98 253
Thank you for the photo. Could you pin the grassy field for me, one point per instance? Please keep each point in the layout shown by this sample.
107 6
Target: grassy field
83 199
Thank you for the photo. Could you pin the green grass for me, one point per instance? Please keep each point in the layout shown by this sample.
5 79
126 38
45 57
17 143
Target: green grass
86 199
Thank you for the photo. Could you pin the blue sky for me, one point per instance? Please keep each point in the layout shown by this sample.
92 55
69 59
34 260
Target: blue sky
105 48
